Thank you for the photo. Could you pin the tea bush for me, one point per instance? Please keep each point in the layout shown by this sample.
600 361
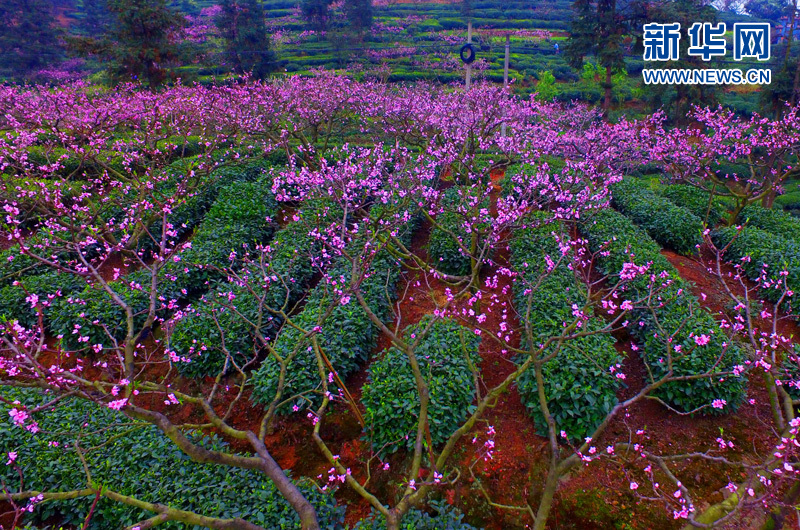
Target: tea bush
679 315
763 249
140 462
347 335
774 221
672 226
196 335
447 355
580 388
696 201
49 287
241 217
444 251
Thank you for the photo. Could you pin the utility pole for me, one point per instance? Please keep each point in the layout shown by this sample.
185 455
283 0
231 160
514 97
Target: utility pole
505 77
469 41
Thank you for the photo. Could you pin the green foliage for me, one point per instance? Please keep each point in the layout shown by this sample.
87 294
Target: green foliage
100 318
198 334
49 287
359 14
241 218
347 336
138 461
14 264
446 518
447 354
762 248
28 37
316 13
446 240
241 23
138 44
672 226
789 201
696 201
579 386
771 220
685 321
546 88
624 242
679 316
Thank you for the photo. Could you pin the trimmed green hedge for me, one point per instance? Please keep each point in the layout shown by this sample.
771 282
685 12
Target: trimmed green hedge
347 335
142 463
672 226
774 221
447 356
94 304
696 201
50 287
443 251
241 217
627 243
580 388
196 335
762 248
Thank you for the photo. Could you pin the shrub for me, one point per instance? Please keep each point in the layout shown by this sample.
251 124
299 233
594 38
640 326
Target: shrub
16 264
696 201
49 287
447 517
686 322
240 218
679 314
762 248
142 463
580 388
624 242
771 220
789 201
672 226
196 336
447 355
97 316
346 336
444 251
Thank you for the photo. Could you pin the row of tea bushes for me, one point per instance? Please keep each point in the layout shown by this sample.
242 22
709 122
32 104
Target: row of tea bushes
444 251
710 210
580 386
140 462
447 354
754 249
198 333
615 240
672 226
239 219
52 286
772 220
346 335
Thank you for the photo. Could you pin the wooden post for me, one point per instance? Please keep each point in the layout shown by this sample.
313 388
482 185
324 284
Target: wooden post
505 78
469 66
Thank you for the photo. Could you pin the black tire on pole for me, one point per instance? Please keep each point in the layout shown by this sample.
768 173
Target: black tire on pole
467 53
